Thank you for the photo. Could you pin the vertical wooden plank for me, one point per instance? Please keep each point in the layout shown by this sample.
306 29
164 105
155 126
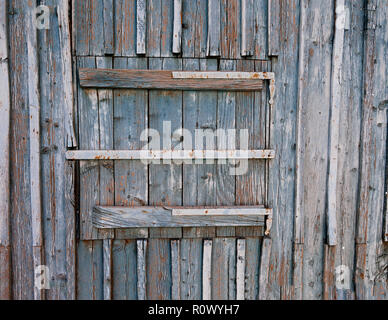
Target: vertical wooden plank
125 33
96 27
57 134
370 258
240 269
81 27
224 269
191 269
90 270
107 261
247 28
177 28
207 270
274 23
130 119
34 136
5 106
349 151
159 269
230 29
195 28
141 26
124 267
124 270
314 155
297 276
105 124
252 268
108 27
141 269
260 29
336 74
175 270
265 266
214 28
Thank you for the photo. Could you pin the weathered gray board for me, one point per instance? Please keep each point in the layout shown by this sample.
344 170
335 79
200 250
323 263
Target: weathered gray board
296 261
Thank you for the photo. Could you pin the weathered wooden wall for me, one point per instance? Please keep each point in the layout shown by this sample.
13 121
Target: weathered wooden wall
326 184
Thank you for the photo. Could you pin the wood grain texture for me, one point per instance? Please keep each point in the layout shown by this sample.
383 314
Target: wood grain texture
274 11
247 28
159 217
125 28
175 270
240 269
5 106
191 269
147 79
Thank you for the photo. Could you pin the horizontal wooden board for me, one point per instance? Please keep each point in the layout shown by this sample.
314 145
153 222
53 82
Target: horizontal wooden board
168 154
143 217
161 79
221 211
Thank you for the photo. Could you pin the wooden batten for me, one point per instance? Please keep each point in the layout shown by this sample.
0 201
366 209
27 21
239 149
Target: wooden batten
160 79
159 217
177 28
107 258
141 269
149 155
141 26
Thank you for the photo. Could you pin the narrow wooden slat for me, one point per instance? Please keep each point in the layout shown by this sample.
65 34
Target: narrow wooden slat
297 276
108 27
230 75
260 29
159 270
137 217
141 26
264 268
191 269
336 74
147 79
224 269
247 28
194 25
90 274
141 269
273 27
124 270
177 29
66 62
34 134
214 28
240 269
168 154
207 270
252 268
107 261
125 28
175 270
230 29
5 105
